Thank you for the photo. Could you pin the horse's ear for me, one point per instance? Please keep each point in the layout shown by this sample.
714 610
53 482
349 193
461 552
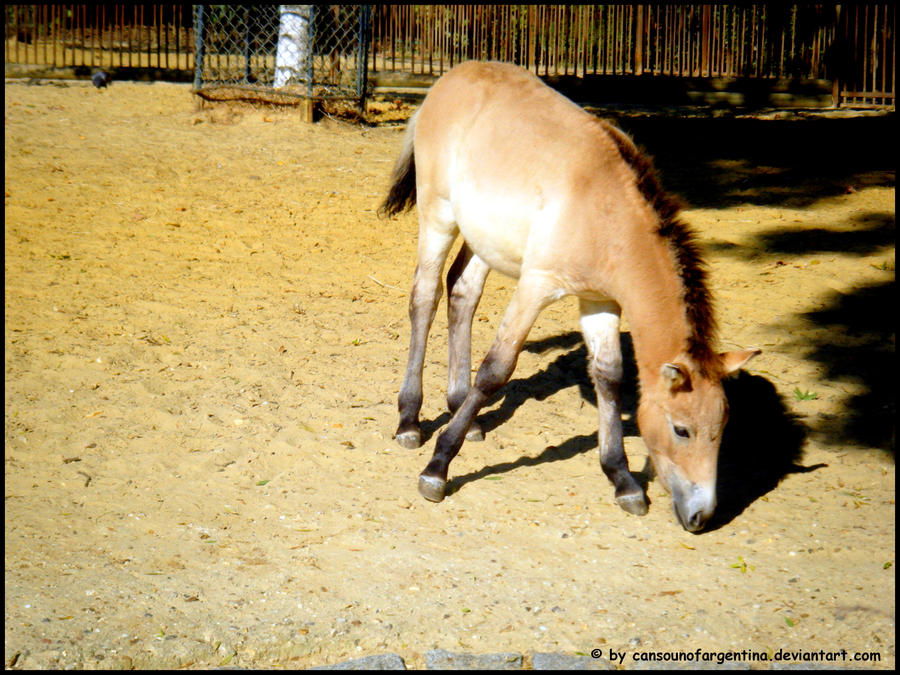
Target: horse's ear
734 361
676 377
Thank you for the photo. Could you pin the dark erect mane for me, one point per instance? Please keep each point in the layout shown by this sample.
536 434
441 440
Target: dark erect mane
691 268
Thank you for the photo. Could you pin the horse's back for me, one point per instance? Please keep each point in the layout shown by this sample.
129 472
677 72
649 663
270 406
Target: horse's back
515 164
490 117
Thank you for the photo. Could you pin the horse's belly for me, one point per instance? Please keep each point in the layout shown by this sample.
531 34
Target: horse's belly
498 242
496 230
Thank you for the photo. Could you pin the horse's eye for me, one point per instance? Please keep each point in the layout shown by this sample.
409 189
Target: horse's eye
681 432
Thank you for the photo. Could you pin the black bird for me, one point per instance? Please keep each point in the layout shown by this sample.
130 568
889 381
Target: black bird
101 79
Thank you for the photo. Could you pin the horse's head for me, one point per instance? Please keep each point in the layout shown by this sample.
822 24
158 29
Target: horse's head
682 415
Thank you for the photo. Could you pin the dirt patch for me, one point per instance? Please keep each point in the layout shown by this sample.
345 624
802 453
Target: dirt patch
205 333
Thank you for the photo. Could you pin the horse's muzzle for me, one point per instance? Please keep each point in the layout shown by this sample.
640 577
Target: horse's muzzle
693 504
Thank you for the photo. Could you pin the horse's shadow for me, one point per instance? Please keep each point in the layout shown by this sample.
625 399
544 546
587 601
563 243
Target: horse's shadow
762 442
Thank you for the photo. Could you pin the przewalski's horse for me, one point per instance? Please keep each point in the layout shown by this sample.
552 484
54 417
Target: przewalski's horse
544 192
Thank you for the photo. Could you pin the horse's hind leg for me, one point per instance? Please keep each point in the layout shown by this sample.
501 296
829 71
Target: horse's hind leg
465 283
530 297
434 244
600 327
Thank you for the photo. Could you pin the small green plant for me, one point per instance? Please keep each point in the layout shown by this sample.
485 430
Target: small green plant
805 395
742 565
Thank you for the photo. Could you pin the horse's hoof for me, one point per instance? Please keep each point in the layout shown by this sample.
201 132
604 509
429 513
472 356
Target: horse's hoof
432 488
475 433
410 440
633 503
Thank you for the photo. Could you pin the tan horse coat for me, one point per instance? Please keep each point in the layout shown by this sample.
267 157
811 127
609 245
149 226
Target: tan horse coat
545 193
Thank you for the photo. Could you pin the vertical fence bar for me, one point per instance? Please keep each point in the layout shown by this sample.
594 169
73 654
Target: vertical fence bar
362 51
30 38
93 33
559 38
24 34
554 39
762 61
52 33
838 75
158 20
104 53
708 43
44 29
176 34
149 26
13 23
116 33
127 43
405 45
120 13
63 34
532 37
676 31
150 50
199 44
67 34
374 48
853 28
884 55
32 33
165 28
639 40
390 19
246 43
865 52
65 27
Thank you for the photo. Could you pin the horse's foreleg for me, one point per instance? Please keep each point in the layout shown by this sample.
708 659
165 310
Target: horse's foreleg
465 283
423 302
530 297
600 327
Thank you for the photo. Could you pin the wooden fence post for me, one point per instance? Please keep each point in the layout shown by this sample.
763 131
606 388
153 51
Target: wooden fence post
639 41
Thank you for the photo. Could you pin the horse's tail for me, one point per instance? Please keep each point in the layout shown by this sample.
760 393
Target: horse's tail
402 195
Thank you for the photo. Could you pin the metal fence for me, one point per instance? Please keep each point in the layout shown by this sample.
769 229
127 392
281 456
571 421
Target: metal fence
867 75
309 51
100 36
851 46
554 40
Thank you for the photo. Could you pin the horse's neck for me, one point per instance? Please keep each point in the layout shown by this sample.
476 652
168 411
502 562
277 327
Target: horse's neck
652 298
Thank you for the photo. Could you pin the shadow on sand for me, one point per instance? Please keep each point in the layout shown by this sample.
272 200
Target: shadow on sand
717 163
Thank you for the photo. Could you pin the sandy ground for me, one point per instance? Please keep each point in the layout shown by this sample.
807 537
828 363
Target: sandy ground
205 331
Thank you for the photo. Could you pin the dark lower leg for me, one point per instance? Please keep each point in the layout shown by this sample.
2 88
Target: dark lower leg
600 326
422 307
529 298
433 480
629 494
465 283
